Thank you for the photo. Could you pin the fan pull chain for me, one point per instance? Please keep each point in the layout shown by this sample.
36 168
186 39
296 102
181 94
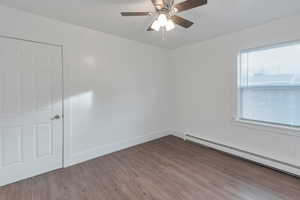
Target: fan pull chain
164 33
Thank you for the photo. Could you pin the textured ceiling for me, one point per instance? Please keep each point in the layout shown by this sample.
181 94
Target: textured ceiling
216 18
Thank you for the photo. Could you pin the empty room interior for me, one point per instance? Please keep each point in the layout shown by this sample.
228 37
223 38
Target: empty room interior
150 100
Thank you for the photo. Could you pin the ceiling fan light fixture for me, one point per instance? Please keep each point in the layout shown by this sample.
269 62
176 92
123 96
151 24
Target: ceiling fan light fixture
170 25
156 25
165 14
162 19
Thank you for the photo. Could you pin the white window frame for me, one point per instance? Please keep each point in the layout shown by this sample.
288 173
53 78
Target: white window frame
267 126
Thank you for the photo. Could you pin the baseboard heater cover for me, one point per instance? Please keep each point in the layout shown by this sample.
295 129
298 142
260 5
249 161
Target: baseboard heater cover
295 170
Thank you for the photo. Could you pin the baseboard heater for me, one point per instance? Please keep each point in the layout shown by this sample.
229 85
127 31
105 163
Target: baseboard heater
261 160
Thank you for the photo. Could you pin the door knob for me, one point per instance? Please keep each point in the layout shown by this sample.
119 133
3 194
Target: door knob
55 117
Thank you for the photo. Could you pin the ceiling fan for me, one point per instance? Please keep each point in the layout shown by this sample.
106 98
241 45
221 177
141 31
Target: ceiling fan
165 14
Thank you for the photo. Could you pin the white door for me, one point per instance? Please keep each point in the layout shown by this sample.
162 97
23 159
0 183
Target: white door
30 98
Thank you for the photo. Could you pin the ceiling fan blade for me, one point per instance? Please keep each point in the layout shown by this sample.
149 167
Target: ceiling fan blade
158 4
150 29
128 14
181 21
189 4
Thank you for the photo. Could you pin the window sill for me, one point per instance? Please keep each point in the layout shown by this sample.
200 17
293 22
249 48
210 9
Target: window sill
274 128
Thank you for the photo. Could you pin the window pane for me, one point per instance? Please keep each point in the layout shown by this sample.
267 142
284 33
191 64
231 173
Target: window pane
270 85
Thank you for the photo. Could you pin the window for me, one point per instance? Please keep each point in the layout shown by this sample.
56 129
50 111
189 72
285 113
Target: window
269 85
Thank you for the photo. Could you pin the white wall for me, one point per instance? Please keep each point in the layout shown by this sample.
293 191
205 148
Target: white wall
116 90
205 76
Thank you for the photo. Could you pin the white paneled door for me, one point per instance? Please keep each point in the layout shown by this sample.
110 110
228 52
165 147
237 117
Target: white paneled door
30 109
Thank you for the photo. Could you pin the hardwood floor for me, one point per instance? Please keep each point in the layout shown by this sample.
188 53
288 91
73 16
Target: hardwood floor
164 169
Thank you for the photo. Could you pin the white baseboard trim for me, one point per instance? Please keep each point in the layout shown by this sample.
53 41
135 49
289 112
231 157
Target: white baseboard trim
110 148
259 159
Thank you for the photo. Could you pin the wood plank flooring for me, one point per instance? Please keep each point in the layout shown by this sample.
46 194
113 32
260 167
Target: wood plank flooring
164 169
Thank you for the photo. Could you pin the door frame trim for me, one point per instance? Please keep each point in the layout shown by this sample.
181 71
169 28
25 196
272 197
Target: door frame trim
63 156
28 40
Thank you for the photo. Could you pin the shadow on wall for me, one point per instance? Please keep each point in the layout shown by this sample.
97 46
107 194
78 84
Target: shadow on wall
108 103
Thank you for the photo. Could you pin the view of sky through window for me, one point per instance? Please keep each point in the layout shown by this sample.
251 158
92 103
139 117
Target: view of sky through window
274 66
270 84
